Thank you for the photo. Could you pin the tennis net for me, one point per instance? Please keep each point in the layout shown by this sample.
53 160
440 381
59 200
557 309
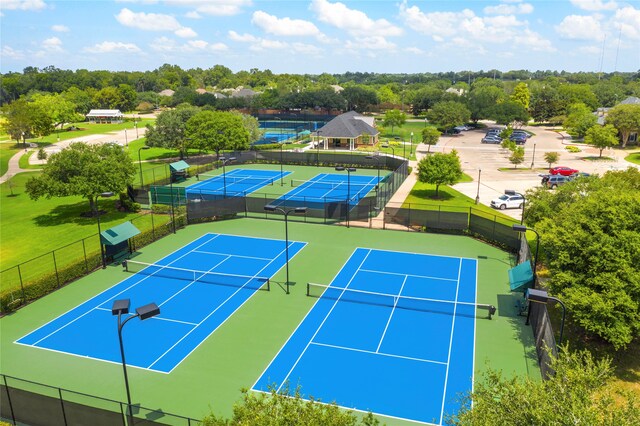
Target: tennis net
192 275
332 185
395 301
249 180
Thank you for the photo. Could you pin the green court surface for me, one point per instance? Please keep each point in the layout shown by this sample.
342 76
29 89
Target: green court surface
235 355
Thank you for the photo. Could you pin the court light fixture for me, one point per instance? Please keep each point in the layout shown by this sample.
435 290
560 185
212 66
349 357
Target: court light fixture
121 307
534 295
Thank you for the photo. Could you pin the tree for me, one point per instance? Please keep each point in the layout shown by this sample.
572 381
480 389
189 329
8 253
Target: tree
440 169
482 99
430 136
59 109
359 98
589 233
169 129
625 118
510 113
282 408
551 157
579 120
84 170
576 394
517 156
217 131
602 137
424 99
394 118
25 119
252 126
521 95
545 103
448 114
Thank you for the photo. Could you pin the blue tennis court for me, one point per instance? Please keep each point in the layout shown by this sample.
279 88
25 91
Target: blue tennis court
239 182
196 287
393 334
328 188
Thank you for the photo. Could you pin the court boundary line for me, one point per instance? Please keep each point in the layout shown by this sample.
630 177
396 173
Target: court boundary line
422 254
156 318
230 255
95 307
304 244
335 303
453 326
346 348
407 275
475 320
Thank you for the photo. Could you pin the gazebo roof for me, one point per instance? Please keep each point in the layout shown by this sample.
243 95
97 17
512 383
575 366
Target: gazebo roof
105 113
347 125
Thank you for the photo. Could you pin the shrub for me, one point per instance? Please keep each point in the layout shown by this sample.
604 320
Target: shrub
572 148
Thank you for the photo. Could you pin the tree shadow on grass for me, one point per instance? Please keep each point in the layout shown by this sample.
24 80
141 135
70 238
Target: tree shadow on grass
77 214
430 195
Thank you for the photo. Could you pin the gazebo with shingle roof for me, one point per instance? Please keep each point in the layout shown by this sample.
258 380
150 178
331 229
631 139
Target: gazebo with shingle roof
348 131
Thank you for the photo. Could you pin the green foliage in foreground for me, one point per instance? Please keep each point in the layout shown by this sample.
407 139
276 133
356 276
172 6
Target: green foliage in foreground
590 235
576 395
283 409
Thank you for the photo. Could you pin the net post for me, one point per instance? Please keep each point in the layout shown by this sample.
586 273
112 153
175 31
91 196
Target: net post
125 265
308 289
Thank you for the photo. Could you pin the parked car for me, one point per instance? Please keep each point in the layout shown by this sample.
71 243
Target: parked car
578 175
505 201
462 128
452 131
555 181
564 171
494 132
521 132
545 178
519 139
492 139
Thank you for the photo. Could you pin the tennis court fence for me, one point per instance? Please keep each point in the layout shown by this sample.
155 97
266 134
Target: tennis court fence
32 403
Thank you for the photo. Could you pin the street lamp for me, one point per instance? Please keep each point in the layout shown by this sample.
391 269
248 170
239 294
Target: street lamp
478 192
135 124
349 170
286 212
524 201
224 173
541 296
102 255
533 157
140 162
393 151
371 157
126 140
522 228
411 145
318 148
121 307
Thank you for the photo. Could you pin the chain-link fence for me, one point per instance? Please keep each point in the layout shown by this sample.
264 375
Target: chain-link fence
27 402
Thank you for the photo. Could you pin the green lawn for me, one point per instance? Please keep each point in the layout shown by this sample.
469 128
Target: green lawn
633 158
91 129
7 150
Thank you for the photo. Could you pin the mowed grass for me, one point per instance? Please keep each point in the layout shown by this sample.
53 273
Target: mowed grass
633 158
7 150
86 129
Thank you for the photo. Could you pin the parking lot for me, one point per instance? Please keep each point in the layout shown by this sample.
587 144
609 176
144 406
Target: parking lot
486 160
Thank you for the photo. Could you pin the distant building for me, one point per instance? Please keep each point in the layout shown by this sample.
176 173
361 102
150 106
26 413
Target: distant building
348 131
243 93
105 116
167 92
601 113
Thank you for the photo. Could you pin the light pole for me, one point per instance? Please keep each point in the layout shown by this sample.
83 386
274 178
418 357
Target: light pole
478 192
522 228
393 151
318 148
286 212
371 157
135 124
102 255
541 296
140 163
411 145
533 157
119 308
281 172
524 201
349 170
126 140
224 173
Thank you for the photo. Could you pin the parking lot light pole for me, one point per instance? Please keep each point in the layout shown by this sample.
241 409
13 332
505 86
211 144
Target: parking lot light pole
119 308
533 157
411 145
286 213
478 192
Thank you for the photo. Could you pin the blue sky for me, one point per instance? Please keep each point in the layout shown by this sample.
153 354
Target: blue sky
315 36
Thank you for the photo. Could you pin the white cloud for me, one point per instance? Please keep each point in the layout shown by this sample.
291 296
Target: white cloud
153 22
590 50
265 44
244 38
370 43
22 4
414 50
8 52
579 27
163 44
193 15
353 21
307 49
533 41
283 26
509 9
53 44
594 5
213 7
627 21
60 28
112 47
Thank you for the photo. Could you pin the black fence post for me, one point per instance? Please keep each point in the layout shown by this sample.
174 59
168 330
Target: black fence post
84 250
55 267
64 414
21 286
6 387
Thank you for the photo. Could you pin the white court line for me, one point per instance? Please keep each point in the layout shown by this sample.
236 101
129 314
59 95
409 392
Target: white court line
156 318
408 275
131 286
395 303
322 323
301 188
453 326
422 254
378 353
231 255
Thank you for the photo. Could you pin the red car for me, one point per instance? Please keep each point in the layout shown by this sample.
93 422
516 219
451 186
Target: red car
563 171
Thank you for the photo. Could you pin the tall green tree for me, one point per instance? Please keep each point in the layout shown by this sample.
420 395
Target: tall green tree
590 234
510 113
577 394
169 129
482 99
440 169
579 120
217 131
359 98
625 118
394 118
521 95
602 137
84 170
430 136
59 109
448 114
25 119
